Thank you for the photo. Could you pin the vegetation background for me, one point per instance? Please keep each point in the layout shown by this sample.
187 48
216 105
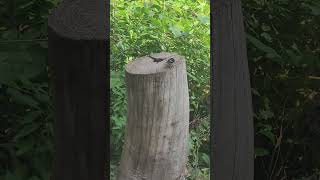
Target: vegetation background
140 28
283 39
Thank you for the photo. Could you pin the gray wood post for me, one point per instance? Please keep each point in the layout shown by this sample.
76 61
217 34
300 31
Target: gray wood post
78 68
158 119
232 137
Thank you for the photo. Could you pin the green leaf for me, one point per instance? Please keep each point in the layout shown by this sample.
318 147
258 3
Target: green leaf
176 31
261 46
26 131
266 36
30 117
204 19
314 7
255 92
116 80
23 99
206 158
260 152
151 13
190 142
266 114
269 135
295 59
191 76
25 146
265 27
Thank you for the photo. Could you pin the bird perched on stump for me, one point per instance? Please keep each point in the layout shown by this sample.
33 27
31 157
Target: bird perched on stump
170 60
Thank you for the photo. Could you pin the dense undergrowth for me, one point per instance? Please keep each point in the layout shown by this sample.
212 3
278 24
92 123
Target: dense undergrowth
284 56
283 51
139 28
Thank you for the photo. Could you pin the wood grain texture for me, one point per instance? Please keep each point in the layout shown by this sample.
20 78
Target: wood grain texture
78 65
232 119
81 19
158 120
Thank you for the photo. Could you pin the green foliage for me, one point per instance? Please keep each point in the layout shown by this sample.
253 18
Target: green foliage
199 160
139 28
118 117
25 109
142 27
283 51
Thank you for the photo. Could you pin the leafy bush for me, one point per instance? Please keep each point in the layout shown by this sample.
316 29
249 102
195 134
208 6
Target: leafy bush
139 28
283 51
25 110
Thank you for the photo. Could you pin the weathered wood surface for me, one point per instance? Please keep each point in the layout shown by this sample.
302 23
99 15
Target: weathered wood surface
232 121
78 63
158 120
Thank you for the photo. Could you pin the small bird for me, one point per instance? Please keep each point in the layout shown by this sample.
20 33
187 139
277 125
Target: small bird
170 62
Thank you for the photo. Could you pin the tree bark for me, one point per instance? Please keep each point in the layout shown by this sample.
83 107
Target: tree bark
232 119
157 121
78 66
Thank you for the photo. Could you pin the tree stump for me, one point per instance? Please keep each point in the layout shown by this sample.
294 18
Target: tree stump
232 116
158 119
78 59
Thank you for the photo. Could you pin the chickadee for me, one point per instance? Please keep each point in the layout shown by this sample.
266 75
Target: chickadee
170 62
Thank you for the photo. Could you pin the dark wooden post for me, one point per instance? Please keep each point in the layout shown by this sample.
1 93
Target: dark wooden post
78 65
158 119
232 137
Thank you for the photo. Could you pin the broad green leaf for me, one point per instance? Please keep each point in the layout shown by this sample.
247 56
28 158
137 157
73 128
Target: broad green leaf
204 19
269 135
266 36
23 99
30 117
315 8
23 147
261 46
265 114
295 59
176 31
206 158
26 130
260 152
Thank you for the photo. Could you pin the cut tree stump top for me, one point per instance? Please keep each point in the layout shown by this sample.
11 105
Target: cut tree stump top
146 65
81 19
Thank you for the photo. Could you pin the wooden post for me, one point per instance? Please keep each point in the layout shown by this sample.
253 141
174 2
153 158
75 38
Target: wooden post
232 137
78 65
158 119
